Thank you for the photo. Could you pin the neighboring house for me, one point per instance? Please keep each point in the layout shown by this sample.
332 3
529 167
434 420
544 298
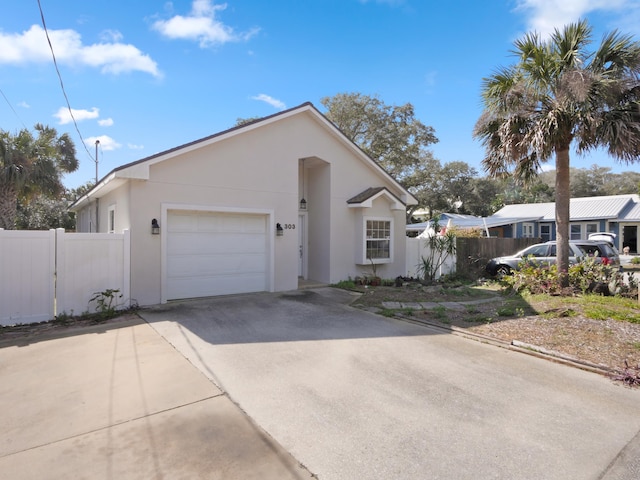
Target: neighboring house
490 226
619 214
228 213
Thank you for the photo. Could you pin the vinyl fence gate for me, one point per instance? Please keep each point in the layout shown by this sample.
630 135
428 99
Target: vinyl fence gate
47 273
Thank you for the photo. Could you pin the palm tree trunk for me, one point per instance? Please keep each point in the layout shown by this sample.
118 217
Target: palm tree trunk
8 206
563 197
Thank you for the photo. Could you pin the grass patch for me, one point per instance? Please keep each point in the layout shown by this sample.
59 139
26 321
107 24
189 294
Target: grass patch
440 313
346 284
595 307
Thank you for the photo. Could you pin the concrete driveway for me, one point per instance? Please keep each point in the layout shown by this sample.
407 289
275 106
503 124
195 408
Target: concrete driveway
355 395
118 402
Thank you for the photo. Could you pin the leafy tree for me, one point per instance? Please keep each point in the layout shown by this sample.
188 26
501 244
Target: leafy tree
484 199
43 213
390 135
244 121
32 165
556 96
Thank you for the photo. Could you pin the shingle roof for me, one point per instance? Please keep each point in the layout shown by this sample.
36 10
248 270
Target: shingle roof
366 195
363 198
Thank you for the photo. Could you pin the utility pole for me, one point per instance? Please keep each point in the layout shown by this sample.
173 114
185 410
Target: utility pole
97 143
97 200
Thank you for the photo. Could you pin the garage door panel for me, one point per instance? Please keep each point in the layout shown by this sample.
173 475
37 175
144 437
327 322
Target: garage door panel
202 244
215 253
221 285
182 223
210 265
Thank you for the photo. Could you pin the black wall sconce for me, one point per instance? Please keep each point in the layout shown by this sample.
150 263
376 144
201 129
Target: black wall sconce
279 230
155 228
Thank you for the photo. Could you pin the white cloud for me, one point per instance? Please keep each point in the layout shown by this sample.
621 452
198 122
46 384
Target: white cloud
64 116
201 25
105 122
275 103
106 143
133 146
544 16
114 57
111 36
24 104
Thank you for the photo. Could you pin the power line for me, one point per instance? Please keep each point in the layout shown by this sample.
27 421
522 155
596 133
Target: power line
12 109
55 63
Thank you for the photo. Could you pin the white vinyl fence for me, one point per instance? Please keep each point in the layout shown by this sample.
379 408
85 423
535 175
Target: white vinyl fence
418 248
46 273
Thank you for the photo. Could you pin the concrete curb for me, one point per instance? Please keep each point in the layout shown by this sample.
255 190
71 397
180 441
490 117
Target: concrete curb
515 346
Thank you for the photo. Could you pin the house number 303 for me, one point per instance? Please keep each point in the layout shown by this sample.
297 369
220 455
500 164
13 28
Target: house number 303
289 226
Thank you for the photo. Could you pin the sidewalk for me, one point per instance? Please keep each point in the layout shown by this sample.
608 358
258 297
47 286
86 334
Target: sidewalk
117 401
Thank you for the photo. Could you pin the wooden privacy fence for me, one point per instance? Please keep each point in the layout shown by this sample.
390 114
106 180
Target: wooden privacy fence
46 273
474 253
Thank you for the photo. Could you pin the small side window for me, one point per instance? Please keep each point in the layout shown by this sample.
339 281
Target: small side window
111 221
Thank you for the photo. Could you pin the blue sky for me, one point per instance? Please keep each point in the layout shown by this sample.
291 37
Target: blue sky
143 77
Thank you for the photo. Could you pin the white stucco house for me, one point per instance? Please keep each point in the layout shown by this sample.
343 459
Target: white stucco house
230 218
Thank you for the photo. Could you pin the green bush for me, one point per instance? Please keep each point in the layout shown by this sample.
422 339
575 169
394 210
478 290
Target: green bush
587 276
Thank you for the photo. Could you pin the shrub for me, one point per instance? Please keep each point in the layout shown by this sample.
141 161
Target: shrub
587 276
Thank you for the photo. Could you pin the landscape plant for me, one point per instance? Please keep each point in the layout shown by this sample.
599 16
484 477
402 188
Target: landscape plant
106 302
440 248
559 96
587 276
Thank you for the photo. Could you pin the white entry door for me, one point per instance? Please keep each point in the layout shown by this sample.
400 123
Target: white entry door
215 253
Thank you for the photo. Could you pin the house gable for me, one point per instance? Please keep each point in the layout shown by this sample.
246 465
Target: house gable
140 170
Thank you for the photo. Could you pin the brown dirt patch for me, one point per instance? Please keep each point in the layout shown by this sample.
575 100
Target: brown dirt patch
608 342
55 328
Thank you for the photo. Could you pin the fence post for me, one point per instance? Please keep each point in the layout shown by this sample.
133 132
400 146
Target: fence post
60 281
126 267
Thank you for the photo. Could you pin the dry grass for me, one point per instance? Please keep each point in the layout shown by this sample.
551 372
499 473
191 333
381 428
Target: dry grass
599 330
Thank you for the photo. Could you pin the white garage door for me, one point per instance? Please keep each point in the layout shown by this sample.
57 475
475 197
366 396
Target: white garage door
213 253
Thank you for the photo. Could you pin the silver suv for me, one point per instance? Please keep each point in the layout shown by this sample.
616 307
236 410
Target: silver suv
545 254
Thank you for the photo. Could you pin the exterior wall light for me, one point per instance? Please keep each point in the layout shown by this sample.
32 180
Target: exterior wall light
279 230
155 228
303 204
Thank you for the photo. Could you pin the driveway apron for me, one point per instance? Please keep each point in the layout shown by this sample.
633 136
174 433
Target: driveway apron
117 402
351 394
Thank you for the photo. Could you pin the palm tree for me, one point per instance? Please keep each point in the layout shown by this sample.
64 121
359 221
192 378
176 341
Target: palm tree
30 166
560 95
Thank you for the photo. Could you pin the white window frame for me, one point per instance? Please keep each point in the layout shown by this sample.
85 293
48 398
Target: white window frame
527 229
572 233
379 260
587 232
111 219
584 230
545 236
